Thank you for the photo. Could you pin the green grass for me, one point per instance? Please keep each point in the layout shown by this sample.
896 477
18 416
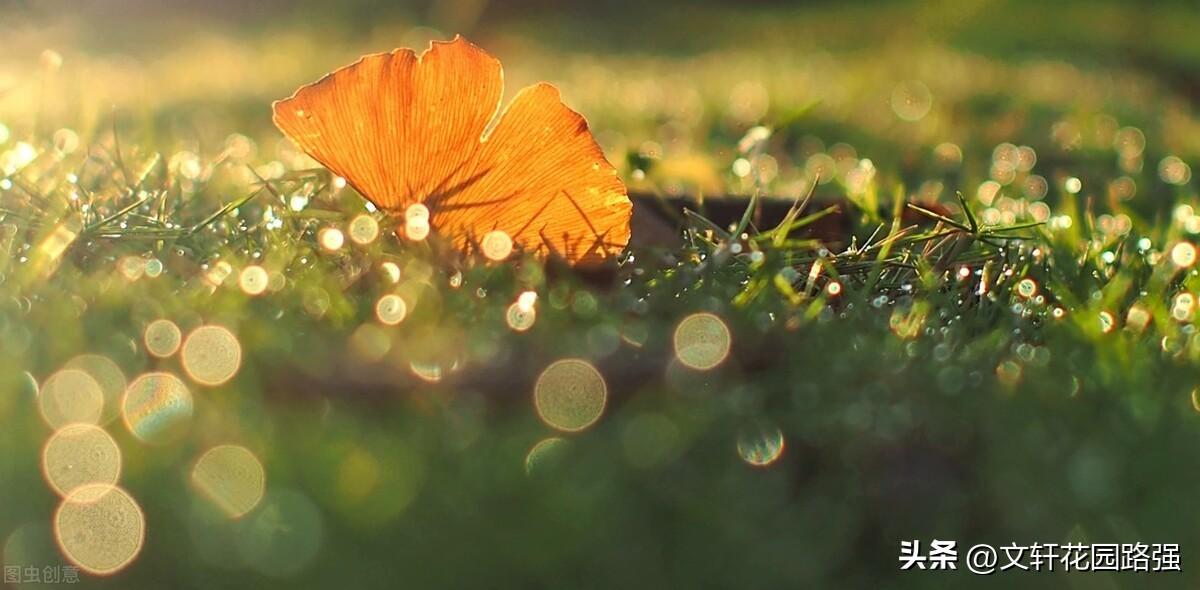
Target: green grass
1019 371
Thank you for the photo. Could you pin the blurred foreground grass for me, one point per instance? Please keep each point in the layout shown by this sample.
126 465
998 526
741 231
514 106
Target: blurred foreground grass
1040 391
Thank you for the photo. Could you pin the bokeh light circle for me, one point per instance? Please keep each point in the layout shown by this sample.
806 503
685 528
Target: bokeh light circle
254 280
108 376
162 338
154 267
1173 170
546 451
78 455
702 341
911 100
496 245
232 478
429 372
570 395
331 239
519 317
370 342
416 211
761 447
70 396
1183 254
282 537
363 229
157 407
391 271
131 267
416 222
527 299
416 229
100 528
1027 288
391 309
211 355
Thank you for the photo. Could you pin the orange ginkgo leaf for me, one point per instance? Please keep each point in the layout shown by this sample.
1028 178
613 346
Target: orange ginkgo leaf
423 137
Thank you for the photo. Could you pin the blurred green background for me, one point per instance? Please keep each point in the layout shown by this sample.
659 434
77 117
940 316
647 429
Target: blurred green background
920 415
